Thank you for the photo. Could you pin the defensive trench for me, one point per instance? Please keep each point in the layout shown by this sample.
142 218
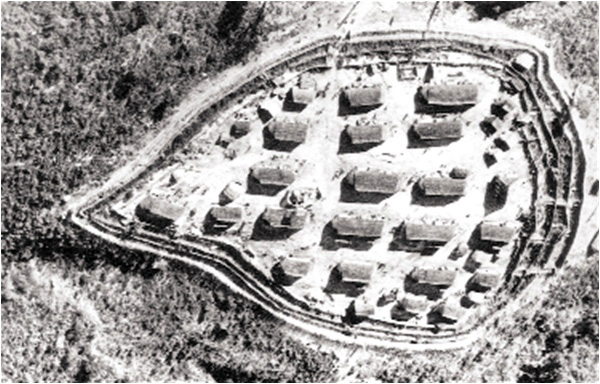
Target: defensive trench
381 187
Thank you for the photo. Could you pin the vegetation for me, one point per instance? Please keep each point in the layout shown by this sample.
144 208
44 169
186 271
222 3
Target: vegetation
82 86
142 321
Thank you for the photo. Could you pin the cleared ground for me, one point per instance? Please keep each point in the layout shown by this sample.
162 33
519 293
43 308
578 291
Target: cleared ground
210 165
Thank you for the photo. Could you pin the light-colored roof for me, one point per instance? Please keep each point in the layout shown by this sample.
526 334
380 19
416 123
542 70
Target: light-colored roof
357 226
232 191
159 208
451 310
438 233
356 271
363 307
442 186
524 61
290 218
296 266
228 214
414 303
302 96
374 181
434 276
496 232
273 175
439 130
364 97
449 95
365 134
291 131
486 278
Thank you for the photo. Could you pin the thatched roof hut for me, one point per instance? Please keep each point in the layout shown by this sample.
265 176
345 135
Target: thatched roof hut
442 186
365 134
496 232
226 215
356 272
278 176
357 226
427 232
285 218
363 97
433 276
438 130
288 131
449 95
374 181
157 211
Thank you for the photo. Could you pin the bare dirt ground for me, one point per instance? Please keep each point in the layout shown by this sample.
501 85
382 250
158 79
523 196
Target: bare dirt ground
204 173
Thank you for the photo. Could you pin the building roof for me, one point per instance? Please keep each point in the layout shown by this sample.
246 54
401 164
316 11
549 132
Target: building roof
296 266
414 303
364 97
496 232
487 278
406 73
356 226
159 208
449 95
524 62
365 134
289 218
502 106
302 96
356 271
442 186
451 310
459 173
374 181
476 297
363 307
273 175
434 276
307 82
240 128
290 131
228 214
232 191
439 130
494 122
438 233
479 257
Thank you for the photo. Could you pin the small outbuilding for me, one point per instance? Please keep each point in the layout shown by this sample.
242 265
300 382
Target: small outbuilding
504 108
414 304
156 211
442 186
524 62
240 128
406 73
231 192
459 173
356 226
491 125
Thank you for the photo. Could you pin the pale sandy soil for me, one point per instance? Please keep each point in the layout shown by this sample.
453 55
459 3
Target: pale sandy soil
208 169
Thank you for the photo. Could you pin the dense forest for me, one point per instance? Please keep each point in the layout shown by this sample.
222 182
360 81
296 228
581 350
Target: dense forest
83 84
